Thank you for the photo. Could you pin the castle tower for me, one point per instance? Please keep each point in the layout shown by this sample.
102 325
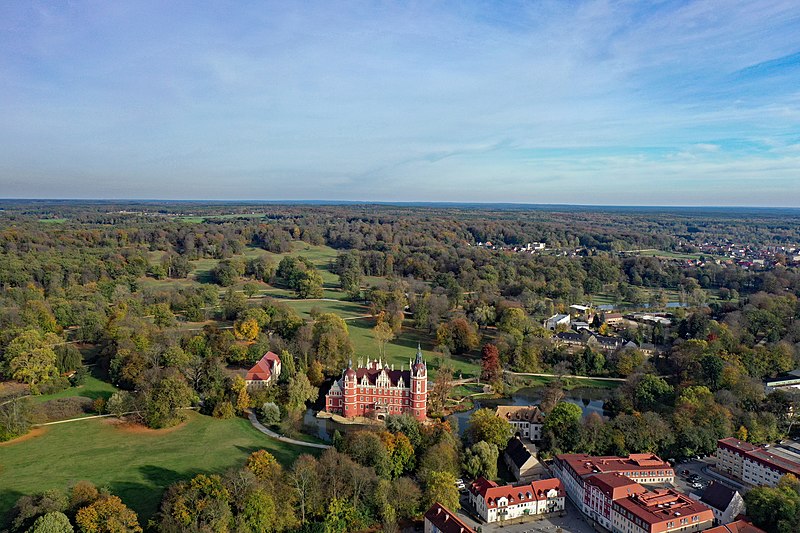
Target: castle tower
419 387
349 391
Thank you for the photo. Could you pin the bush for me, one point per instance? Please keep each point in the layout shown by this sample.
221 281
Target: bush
223 410
99 405
54 385
79 377
270 413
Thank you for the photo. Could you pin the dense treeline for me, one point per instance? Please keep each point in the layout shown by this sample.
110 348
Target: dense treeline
84 286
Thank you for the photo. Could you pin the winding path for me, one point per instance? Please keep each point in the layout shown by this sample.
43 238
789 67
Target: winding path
618 380
268 432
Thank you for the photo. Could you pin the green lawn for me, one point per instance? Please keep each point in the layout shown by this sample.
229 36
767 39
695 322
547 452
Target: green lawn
342 308
404 347
137 466
569 383
93 388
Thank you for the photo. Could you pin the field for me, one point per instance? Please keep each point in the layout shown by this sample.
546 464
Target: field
92 388
404 347
134 463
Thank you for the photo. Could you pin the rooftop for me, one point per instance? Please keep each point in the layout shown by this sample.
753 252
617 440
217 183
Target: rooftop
718 496
615 485
739 526
262 370
445 520
585 465
513 495
663 505
527 413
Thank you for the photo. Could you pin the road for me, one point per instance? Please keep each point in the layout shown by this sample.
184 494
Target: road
268 432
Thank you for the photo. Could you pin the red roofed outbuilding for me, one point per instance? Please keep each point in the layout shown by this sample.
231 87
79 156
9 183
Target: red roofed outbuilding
439 519
266 370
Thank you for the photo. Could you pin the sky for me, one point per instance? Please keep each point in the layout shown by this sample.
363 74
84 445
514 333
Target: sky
595 102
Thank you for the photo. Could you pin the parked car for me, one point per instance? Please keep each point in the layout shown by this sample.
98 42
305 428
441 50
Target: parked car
684 472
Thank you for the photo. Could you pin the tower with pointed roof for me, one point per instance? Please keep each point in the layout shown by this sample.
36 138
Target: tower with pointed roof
349 379
375 388
419 386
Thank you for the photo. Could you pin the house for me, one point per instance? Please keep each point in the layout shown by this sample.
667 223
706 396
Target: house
604 342
527 420
659 511
439 519
264 372
789 380
555 321
614 319
378 389
569 339
725 502
495 503
739 526
520 458
584 312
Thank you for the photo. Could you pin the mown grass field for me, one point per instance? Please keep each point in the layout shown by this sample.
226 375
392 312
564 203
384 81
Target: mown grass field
404 347
92 388
569 383
135 463
341 308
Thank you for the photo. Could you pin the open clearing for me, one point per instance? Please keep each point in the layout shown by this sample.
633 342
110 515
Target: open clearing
136 465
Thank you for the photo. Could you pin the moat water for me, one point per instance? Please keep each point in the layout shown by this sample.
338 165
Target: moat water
590 400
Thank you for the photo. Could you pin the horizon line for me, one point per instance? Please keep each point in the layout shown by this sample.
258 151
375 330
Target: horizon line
395 202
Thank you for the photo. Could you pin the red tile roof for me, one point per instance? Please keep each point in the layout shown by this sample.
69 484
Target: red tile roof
585 465
655 507
262 370
445 520
535 491
615 485
739 526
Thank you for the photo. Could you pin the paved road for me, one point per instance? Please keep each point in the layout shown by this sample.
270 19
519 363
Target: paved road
268 432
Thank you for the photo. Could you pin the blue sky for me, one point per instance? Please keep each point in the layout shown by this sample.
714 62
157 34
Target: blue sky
629 103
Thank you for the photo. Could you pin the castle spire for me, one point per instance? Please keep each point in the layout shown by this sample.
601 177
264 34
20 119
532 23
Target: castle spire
419 355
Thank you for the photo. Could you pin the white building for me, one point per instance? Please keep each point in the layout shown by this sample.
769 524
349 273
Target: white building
494 503
725 502
527 420
757 465
556 320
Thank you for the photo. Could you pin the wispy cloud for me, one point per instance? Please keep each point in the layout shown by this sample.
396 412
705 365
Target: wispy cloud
545 101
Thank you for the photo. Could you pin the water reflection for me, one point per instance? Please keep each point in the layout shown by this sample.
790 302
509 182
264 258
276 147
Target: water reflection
590 400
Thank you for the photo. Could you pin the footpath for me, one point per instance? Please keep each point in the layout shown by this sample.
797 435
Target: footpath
268 432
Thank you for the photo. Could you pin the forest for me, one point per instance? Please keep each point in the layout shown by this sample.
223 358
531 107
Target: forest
149 313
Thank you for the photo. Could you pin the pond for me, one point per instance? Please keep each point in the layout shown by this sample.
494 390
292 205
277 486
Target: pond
590 400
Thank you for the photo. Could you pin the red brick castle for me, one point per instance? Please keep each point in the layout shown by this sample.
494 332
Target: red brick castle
376 389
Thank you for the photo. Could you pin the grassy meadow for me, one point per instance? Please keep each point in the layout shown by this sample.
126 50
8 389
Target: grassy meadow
133 462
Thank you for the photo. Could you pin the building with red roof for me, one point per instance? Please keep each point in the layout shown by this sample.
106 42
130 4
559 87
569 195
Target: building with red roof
266 370
493 502
439 519
660 511
601 490
378 389
757 465
574 468
739 526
